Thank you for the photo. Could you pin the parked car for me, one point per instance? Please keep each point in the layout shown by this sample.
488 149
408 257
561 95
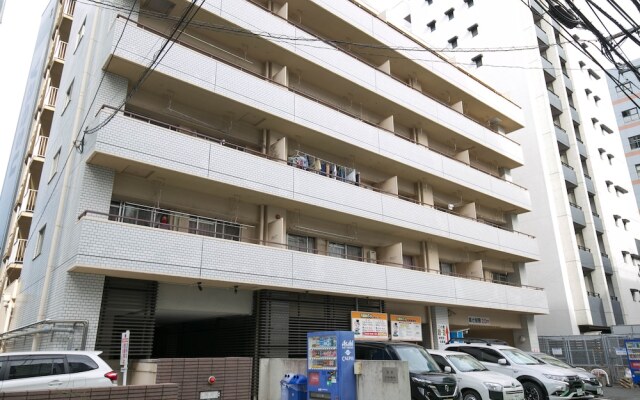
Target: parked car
591 383
540 381
427 379
45 370
475 381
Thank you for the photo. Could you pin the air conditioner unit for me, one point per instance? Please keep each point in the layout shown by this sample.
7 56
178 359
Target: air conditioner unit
372 256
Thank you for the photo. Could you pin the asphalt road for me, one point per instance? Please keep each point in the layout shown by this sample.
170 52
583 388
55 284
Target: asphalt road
617 392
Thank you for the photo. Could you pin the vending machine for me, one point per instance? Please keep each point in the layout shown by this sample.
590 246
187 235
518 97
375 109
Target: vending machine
330 359
633 355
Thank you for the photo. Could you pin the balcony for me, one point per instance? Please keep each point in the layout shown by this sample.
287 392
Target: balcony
582 149
562 138
597 223
567 82
306 115
578 216
50 97
561 53
597 309
113 248
28 203
16 259
68 8
549 70
617 310
554 102
219 164
606 264
60 51
382 93
570 177
542 36
586 258
588 183
40 147
574 114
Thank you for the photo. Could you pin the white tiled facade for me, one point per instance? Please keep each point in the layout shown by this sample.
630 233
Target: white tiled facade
432 218
583 210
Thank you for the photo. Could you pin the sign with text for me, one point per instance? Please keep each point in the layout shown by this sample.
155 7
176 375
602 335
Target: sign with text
124 349
369 325
443 333
406 327
479 320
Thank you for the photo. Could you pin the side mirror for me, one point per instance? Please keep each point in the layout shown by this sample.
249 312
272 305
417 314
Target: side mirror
448 369
503 361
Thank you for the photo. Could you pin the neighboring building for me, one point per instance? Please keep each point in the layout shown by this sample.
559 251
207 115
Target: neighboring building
628 118
1 9
254 188
583 217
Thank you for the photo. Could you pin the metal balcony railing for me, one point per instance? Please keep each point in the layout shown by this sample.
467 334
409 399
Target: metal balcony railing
50 96
17 252
41 146
29 200
68 7
60 50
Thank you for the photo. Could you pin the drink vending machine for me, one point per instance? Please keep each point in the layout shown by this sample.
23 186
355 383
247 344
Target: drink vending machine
330 359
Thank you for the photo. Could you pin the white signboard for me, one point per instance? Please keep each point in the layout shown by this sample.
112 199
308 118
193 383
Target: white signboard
369 325
443 333
406 327
479 320
124 355
556 351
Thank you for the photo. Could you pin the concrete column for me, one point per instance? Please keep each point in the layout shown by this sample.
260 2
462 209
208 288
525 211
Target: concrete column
439 321
526 338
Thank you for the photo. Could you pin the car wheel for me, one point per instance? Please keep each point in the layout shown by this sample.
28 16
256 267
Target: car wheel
532 391
470 395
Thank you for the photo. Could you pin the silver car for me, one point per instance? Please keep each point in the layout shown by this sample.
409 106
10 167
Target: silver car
591 383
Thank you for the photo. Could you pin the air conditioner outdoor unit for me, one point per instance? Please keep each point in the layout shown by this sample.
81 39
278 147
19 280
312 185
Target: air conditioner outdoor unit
372 256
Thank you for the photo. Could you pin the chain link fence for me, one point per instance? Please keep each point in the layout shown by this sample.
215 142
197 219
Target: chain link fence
603 351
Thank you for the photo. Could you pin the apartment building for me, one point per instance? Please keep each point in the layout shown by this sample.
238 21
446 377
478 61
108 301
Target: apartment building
625 106
584 214
271 169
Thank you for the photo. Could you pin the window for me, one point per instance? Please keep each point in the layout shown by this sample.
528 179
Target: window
617 218
35 367
473 29
432 25
67 99
593 74
596 99
79 363
80 34
587 91
469 3
498 277
453 42
447 268
54 165
371 353
408 261
638 170
449 13
630 114
301 243
347 251
490 356
408 18
203 226
623 87
581 64
477 60
634 142
39 242
429 2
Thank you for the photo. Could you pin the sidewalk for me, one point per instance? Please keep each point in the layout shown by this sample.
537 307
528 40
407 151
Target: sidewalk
617 392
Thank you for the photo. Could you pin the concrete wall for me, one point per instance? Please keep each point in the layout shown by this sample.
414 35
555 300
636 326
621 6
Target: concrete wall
271 372
150 392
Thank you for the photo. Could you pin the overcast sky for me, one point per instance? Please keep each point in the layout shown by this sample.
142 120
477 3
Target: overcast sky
18 32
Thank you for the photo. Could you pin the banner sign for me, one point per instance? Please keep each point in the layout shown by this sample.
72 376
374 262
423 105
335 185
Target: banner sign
369 326
406 328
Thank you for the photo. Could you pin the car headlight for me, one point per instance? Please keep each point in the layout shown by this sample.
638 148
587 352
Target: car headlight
561 378
496 387
422 381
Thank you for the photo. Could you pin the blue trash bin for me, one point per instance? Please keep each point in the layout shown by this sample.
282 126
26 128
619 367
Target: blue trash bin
297 387
284 386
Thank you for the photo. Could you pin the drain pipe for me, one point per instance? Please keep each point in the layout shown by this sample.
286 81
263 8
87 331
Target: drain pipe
65 187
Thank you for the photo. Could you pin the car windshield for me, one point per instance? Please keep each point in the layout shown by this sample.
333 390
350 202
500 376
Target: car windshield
554 361
466 363
520 357
420 362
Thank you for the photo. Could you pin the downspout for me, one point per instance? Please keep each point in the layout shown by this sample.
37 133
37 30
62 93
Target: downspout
65 188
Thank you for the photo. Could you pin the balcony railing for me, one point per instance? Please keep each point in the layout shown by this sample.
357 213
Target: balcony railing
249 150
174 219
334 106
17 252
50 96
41 146
29 200
69 7
60 50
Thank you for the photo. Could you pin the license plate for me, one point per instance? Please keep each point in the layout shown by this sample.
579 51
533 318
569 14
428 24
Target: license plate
514 396
580 392
599 390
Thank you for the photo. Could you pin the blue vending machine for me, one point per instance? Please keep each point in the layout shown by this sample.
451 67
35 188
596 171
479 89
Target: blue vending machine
633 354
330 358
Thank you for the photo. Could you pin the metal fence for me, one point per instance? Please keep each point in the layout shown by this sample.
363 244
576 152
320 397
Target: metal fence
603 351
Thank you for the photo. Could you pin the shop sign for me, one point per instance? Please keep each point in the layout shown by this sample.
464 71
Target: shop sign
406 328
479 321
443 333
369 325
